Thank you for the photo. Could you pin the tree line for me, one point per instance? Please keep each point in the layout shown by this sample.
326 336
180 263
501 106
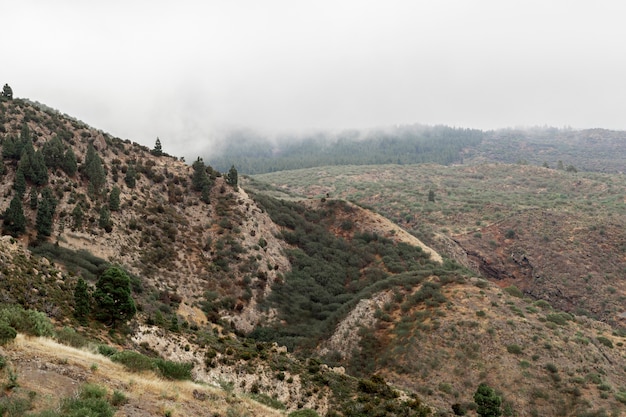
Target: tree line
256 154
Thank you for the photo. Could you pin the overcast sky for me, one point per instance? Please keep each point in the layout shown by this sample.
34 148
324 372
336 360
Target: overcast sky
183 70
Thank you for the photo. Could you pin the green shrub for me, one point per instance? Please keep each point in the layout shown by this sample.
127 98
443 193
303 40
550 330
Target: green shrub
118 398
106 350
7 334
31 322
550 367
70 337
133 361
304 413
514 291
559 318
606 342
174 370
514 349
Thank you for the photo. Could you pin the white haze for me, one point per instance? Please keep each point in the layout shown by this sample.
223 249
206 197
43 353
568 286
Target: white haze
186 70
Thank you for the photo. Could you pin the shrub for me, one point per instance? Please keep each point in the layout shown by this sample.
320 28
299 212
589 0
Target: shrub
68 336
514 291
304 413
559 318
106 350
7 334
550 367
118 398
606 342
174 370
133 361
514 349
31 322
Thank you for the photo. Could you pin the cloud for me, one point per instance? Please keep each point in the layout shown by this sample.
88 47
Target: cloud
184 70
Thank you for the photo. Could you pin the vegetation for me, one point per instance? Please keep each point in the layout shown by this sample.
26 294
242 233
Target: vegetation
408 144
113 301
488 401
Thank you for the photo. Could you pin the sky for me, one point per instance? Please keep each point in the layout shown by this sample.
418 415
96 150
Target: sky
185 71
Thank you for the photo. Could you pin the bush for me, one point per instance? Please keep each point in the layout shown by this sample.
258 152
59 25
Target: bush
133 361
174 370
550 367
514 349
68 336
106 350
7 334
31 322
514 291
304 413
606 342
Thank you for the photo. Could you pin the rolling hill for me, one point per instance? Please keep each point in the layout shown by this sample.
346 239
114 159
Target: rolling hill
332 291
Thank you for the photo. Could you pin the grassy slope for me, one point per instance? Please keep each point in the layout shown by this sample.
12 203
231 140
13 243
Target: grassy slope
54 371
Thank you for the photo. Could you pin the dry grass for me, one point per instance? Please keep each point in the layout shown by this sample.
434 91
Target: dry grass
53 371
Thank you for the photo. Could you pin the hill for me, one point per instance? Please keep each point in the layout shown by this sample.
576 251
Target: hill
294 303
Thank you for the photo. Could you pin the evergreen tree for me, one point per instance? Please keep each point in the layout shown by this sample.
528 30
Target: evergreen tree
232 178
14 219
7 92
25 134
488 401
53 152
38 169
3 168
105 219
33 198
113 300
131 176
82 301
114 199
20 182
158 150
78 215
69 162
431 196
94 171
45 213
199 178
12 148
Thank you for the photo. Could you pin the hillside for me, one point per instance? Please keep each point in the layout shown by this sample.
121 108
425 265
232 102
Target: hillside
556 235
291 297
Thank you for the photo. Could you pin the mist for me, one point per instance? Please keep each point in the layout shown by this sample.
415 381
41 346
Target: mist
187 72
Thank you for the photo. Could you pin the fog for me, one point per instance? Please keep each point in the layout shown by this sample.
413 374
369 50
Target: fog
186 71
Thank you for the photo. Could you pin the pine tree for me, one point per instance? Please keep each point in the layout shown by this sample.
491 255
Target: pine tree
20 182
34 198
12 148
105 219
82 301
114 199
53 151
45 213
158 150
69 162
14 219
94 171
78 216
488 401
131 176
38 169
199 178
112 297
232 178
7 92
